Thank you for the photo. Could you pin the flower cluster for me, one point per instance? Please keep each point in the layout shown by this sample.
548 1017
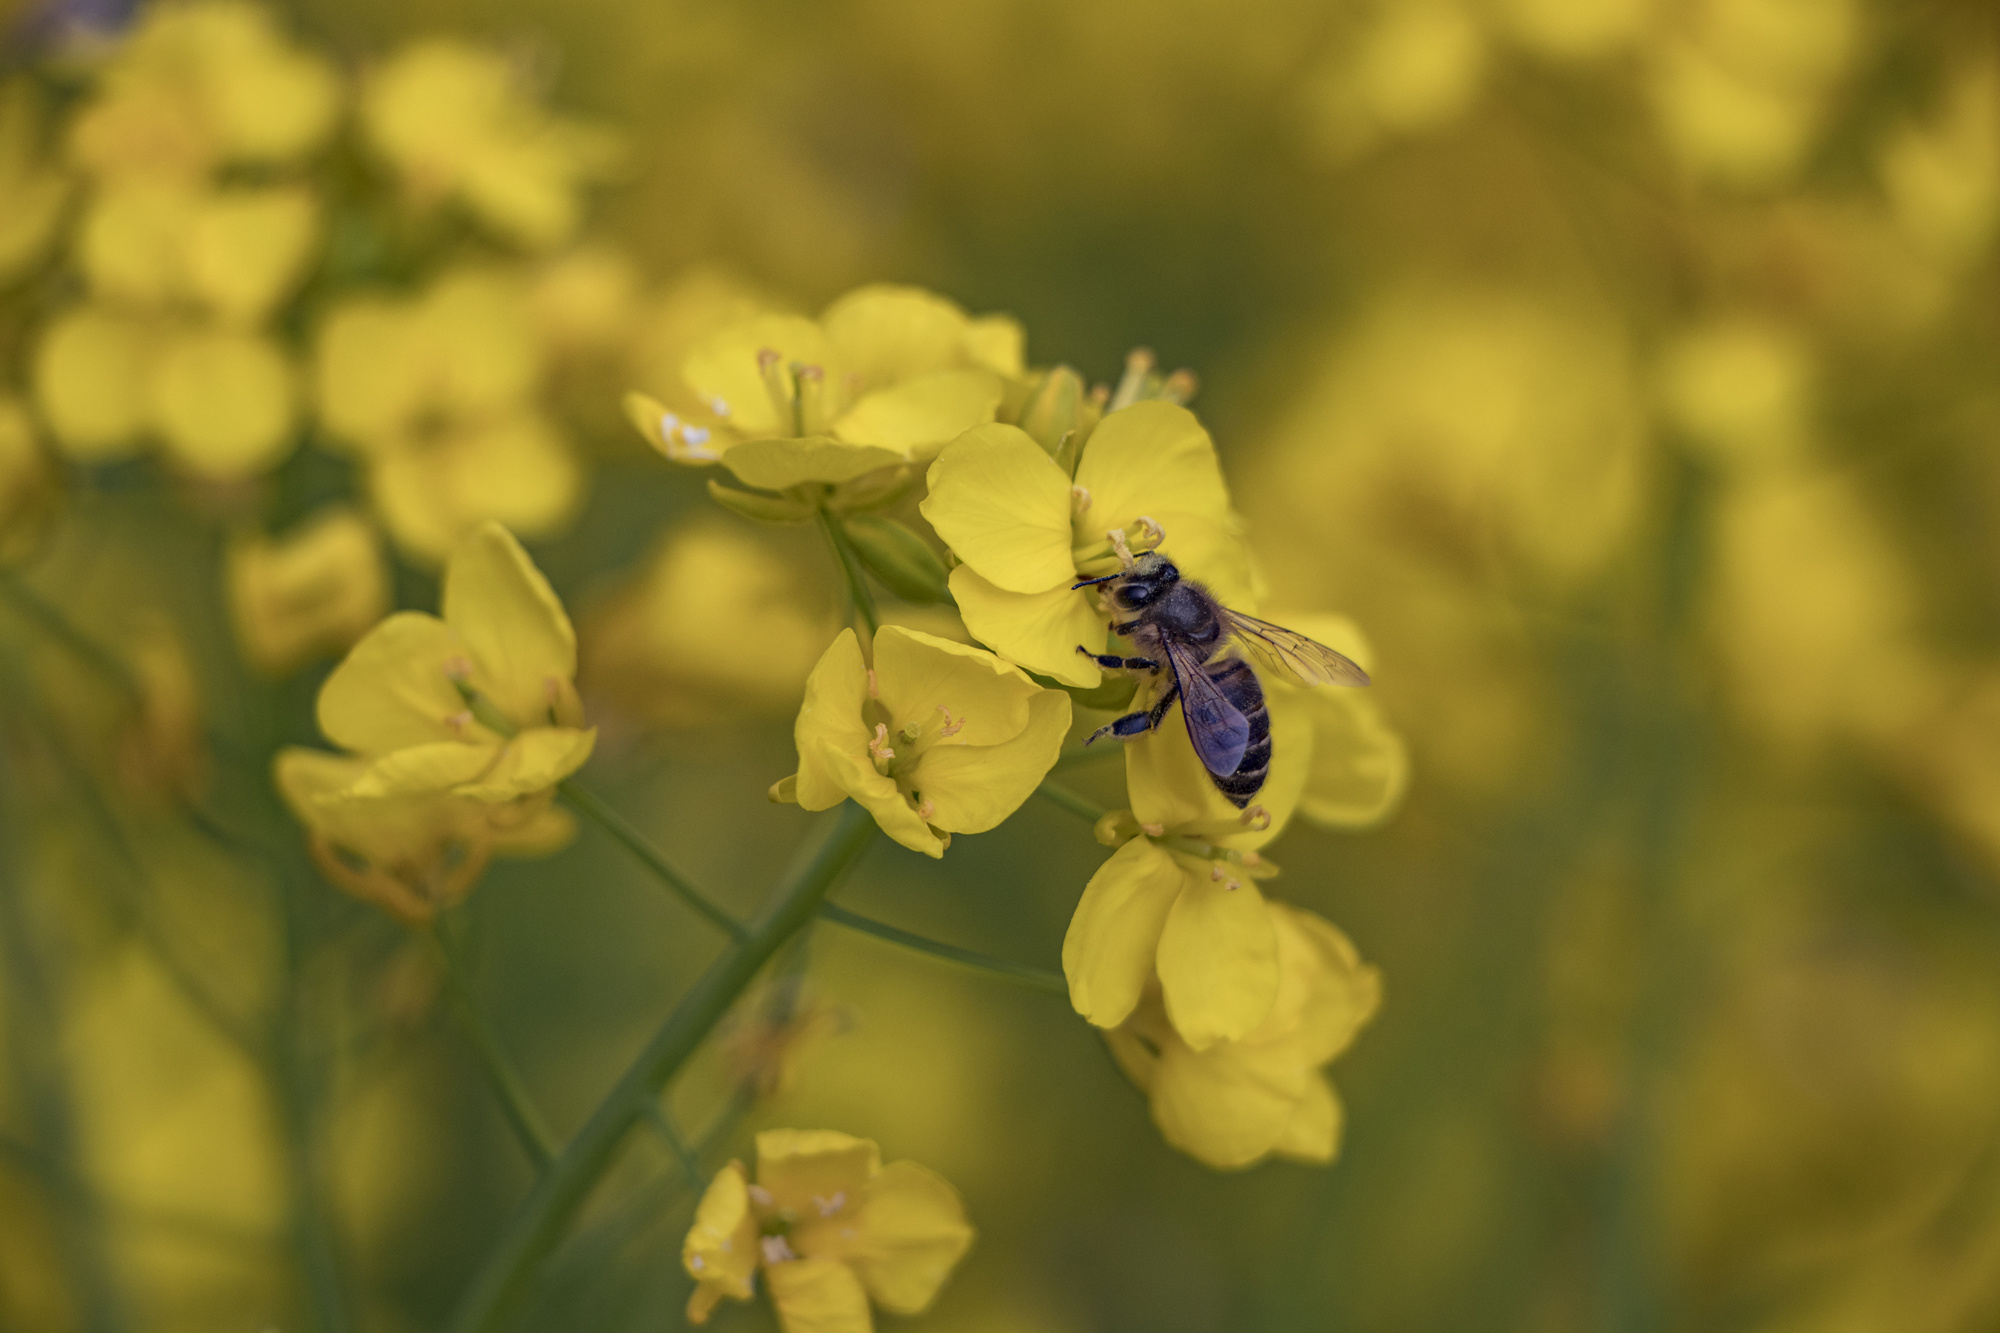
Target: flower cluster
953 476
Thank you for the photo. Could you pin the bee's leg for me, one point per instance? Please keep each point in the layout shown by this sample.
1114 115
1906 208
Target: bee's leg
1138 724
1125 629
1113 662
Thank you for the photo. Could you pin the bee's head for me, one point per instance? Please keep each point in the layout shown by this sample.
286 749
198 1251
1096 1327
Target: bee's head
1145 583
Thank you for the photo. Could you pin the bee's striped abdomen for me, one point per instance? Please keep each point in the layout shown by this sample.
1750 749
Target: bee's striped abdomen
1239 684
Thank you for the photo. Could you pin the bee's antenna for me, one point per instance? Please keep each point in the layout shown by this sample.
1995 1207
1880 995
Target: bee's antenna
1092 583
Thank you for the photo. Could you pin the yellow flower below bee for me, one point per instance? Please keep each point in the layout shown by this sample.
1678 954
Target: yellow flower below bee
1233 1103
936 738
1025 531
884 377
831 1229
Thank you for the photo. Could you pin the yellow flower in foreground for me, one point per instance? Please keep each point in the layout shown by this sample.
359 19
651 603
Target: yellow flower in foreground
314 589
1026 531
831 1228
884 377
1180 898
937 738
439 394
198 86
480 704
1235 1102
455 121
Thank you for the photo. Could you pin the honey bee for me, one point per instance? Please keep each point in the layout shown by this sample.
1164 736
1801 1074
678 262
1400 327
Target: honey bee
1179 623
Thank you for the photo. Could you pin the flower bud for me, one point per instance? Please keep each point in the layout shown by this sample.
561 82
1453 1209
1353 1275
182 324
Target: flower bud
899 558
756 505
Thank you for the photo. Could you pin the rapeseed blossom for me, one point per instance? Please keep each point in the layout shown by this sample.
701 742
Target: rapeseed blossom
831 1229
314 589
935 738
1025 531
884 377
456 123
460 726
439 393
1231 1103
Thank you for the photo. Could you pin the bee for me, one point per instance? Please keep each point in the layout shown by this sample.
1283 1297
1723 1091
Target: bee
1178 623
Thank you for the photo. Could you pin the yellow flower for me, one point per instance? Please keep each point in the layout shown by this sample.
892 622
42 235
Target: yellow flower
479 704
1025 531
884 377
1357 765
315 589
1180 898
455 122
936 738
221 401
831 1228
1234 1102
234 252
35 189
199 86
412 854
439 395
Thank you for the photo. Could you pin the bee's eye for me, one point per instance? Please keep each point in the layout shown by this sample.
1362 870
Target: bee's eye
1135 595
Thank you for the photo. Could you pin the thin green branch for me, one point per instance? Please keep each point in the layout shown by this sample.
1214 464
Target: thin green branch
658 1117
515 1103
1021 974
1082 807
561 1190
587 803
49 619
857 583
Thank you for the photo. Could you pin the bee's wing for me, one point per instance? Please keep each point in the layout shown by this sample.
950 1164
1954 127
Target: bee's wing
1217 727
1305 660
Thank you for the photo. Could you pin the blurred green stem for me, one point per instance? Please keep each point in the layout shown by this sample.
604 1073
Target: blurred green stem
561 1190
658 1116
49 619
587 803
1020 974
512 1093
857 582
1057 794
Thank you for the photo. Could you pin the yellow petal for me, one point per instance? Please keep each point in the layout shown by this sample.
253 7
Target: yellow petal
1041 630
479 333
918 415
532 762
393 691
818 1296
881 797
776 463
886 334
1169 784
1360 766
133 239
976 787
315 588
1218 959
805 1169
1114 936
1229 1105
1313 1133
1342 992
246 248
548 831
720 1252
831 717
999 343
90 382
1153 459
434 766
913 1232
1003 507
723 371
918 675
267 100
224 402
516 470
513 627
369 369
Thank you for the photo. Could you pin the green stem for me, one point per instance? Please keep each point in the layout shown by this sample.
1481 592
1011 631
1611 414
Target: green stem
1076 756
48 618
515 1102
1083 808
857 584
587 803
657 1116
540 1219
1021 974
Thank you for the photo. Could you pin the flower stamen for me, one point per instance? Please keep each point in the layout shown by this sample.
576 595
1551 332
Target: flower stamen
878 749
776 1251
951 726
1079 498
1124 548
1154 830
1257 817
1154 533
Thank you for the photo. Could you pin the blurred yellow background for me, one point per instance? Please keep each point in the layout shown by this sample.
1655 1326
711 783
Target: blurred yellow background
1625 368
